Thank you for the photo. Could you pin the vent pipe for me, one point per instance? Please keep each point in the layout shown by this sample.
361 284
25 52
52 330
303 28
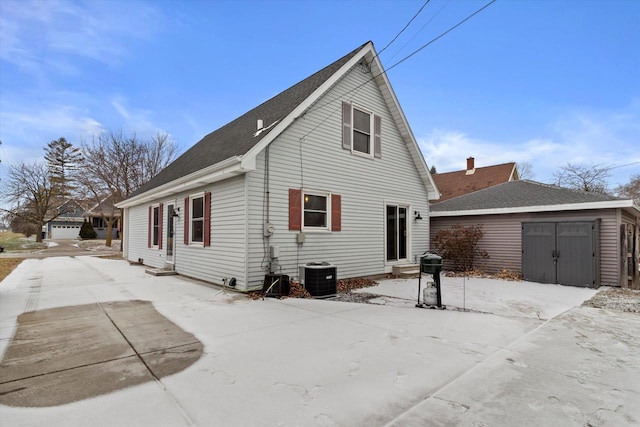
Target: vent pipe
260 124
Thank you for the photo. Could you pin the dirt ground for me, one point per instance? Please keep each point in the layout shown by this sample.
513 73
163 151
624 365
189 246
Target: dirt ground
625 300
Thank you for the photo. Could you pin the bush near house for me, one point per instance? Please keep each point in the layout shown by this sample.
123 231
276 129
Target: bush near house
87 231
459 245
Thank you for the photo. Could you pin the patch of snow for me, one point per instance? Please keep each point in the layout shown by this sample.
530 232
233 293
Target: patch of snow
52 244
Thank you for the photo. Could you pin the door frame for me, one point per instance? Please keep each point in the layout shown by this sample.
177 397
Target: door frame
408 234
170 250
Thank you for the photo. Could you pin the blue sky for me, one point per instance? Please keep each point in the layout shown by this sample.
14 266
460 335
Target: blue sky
539 81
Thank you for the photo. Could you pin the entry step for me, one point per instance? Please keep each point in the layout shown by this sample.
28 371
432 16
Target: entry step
160 272
405 270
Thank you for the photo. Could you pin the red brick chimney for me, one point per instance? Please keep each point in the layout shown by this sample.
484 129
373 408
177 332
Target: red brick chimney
470 163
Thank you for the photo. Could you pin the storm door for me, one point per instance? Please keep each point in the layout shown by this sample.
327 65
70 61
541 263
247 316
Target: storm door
171 241
397 233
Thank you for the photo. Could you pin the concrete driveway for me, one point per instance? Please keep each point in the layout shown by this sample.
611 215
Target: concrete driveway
305 362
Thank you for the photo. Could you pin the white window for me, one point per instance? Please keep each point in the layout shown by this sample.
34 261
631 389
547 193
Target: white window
197 219
362 131
155 224
316 210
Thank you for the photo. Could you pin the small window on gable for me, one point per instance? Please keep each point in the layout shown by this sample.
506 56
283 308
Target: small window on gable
361 131
197 219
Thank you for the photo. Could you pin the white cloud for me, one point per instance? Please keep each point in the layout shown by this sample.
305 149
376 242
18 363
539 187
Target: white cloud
610 138
39 36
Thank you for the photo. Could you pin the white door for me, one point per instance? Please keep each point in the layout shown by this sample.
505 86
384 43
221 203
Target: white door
397 228
171 231
65 231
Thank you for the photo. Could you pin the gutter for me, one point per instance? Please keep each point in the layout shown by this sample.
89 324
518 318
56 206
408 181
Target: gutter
225 169
628 205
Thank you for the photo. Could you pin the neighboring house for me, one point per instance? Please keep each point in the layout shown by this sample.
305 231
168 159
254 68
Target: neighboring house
68 222
459 183
550 234
327 170
98 216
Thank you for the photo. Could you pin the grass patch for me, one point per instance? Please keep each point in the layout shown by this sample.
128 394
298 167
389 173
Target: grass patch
15 242
7 265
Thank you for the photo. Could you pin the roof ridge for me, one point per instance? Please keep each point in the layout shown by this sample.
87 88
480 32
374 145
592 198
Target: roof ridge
235 138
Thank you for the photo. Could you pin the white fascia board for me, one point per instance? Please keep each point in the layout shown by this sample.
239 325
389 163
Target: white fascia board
218 172
628 204
405 130
304 105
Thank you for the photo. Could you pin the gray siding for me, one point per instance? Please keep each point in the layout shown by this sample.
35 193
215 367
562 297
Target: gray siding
225 258
309 154
503 238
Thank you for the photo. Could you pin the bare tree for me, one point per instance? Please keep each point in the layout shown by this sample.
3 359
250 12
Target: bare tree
33 197
525 170
591 178
630 189
116 165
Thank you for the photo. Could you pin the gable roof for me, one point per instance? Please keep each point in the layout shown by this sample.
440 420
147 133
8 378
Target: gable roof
458 183
232 149
527 196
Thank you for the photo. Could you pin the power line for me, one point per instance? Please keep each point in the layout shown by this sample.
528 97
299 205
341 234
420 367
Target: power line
405 27
433 40
385 71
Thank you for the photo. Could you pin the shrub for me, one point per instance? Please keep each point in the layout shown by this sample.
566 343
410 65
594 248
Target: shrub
87 231
459 245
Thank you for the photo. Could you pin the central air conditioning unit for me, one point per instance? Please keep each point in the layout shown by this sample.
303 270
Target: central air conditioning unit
319 278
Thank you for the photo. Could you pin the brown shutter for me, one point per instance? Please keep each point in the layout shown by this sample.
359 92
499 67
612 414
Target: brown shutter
295 209
186 220
160 226
207 219
150 227
336 212
346 125
377 140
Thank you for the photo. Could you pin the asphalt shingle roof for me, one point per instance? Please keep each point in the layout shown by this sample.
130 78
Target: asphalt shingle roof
516 194
458 183
237 137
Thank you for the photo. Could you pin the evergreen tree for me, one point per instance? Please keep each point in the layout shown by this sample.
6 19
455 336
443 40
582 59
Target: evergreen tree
87 231
63 160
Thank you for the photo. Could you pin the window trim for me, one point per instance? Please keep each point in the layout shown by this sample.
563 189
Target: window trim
309 228
371 114
192 197
155 236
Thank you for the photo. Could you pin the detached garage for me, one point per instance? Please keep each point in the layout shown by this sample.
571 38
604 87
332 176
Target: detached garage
550 234
64 231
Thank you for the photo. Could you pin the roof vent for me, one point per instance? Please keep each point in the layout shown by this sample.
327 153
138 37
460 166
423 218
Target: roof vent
260 124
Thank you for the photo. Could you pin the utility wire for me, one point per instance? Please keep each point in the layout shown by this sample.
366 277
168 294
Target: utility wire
435 39
405 27
385 71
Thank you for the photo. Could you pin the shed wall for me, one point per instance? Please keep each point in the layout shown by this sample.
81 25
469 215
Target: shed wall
503 238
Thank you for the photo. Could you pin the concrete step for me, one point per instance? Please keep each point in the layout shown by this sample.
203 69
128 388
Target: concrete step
405 270
160 272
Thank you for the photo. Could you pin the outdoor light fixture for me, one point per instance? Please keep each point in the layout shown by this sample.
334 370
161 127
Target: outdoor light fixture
416 215
175 213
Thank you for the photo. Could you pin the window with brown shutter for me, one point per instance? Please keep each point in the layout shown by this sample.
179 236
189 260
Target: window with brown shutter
361 131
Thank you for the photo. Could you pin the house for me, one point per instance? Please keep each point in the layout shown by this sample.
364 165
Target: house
326 171
100 213
73 213
67 224
458 183
550 234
